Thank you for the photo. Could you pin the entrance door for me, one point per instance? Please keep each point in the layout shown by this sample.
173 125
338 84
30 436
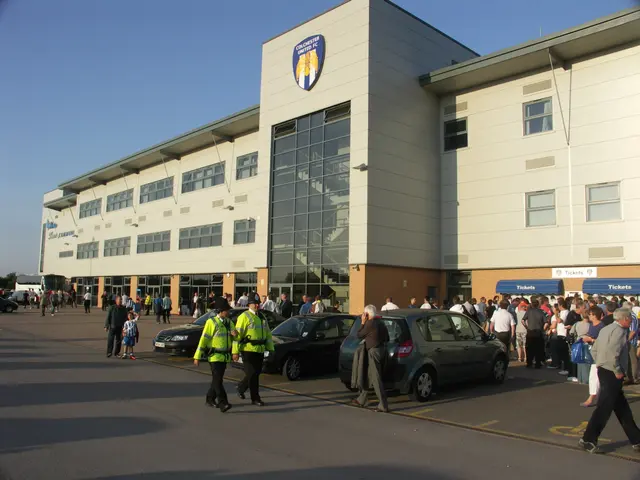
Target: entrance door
277 290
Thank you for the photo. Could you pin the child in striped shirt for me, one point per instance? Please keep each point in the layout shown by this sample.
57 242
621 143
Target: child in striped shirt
130 335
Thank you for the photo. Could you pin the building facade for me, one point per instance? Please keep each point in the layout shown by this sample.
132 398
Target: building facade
385 158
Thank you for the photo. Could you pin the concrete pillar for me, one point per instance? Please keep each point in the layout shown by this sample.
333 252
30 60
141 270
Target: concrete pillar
175 294
229 284
100 290
134 287
263 281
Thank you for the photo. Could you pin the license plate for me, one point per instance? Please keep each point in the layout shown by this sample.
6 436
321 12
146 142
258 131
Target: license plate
159 344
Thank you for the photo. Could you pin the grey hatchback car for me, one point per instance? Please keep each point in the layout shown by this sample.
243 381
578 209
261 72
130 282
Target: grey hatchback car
428 348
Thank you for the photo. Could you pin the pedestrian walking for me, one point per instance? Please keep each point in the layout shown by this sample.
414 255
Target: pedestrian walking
216 346
158 310
580 331
318 305
243 301
105 302
536 323
389 305
610 353
166 308
558 333
632 372
117 315
60 299
53 302
25 299
286 307
72 296
307 305
253 339
375 336
196 310
595 327
87 302
503 325
147 304
268 304
521 331
44 299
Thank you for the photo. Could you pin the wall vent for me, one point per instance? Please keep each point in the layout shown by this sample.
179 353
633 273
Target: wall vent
241 198
542 162
107 225
185 210
128 221
536 87
458 107
142 218
606 252
217 203
167 213
96 228
456 259
238 264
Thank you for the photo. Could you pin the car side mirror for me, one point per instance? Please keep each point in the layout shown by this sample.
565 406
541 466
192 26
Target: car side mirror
491 336
320 336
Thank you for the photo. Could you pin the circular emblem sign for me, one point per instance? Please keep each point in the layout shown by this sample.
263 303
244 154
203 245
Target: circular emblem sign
308 57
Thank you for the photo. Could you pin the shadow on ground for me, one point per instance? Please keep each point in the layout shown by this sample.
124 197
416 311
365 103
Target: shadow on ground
21 434
59 365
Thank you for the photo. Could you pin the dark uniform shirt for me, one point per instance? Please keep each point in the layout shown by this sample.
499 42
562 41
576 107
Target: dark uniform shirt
535 319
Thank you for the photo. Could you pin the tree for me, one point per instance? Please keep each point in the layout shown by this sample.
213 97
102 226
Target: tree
9 280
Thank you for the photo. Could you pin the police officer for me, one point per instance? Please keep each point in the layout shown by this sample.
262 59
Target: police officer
254 337
216 345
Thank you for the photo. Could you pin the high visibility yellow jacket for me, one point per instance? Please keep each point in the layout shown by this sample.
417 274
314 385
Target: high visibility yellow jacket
147 300
216 341
253 334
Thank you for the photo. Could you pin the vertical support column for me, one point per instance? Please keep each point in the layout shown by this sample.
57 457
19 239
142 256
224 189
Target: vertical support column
100 290
229 284
263 281
175 294
134 287
357 285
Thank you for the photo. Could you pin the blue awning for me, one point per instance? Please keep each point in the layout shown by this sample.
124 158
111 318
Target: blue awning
529 287
611 285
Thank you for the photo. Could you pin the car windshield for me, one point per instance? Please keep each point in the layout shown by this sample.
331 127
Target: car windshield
296 327
233 315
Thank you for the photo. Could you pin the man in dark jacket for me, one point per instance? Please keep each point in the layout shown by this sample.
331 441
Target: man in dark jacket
286 307
536 322
116 317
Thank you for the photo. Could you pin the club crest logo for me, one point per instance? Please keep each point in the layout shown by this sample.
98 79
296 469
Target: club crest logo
308 57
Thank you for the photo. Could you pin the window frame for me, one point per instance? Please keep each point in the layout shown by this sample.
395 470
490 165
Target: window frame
127 200
214 174
86 251
153 242
589 203
252 166
67 254
525 119
250 229
155 190
199 237
90 208
527 210
458 331
429 337
446 136
107 246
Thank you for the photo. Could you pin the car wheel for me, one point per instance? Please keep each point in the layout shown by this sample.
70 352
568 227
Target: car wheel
423 385
293 368
349 387
499 370
8 309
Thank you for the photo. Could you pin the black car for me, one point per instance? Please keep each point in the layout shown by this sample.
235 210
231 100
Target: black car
184 339
8 306
308 343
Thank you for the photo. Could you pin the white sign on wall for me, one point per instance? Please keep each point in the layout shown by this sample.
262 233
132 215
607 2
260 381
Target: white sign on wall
579 272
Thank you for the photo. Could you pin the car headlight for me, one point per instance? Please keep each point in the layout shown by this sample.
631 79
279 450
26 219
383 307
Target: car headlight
179 338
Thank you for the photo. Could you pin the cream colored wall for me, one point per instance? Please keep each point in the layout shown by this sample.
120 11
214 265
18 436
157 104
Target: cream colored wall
226 258
344 78
403 154
484 185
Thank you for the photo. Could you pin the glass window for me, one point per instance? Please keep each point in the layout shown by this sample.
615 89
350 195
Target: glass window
455 134
247 166
158 190
87 250
541 208
439 328
244 231
329 329
463 326
89 209
117 247
66 254
120 200
154 242
538 116
202 236
204 177
603 202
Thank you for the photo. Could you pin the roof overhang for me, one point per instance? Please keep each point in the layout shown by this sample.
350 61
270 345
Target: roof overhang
607 33
63 202
223 130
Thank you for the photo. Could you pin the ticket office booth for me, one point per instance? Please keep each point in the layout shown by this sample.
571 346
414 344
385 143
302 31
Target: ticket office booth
625 287
527 288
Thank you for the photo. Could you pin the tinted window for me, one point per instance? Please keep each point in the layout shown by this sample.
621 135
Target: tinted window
440 328
296 327
394 327
329 328
463 326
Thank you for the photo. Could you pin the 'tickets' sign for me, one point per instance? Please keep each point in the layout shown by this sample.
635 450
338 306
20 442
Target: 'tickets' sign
569 272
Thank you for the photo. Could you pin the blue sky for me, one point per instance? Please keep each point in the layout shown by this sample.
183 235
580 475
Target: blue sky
86 82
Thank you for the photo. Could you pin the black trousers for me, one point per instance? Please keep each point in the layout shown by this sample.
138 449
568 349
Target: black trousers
114 341
611 399
535 347
505 338
216 392
252 362
166 314
87 306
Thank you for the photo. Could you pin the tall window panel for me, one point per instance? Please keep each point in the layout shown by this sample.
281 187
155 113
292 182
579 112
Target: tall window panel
89 209
201 237
247 166
120 200
204 177
87 250
538 116
244 231
154 242
541 208
309 229
153 191
603 202
116 247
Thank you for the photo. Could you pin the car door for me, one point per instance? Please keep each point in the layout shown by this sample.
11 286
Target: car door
326 343
472 345
439 343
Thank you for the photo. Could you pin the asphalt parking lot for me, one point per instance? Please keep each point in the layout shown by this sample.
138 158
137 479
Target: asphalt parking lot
535 405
